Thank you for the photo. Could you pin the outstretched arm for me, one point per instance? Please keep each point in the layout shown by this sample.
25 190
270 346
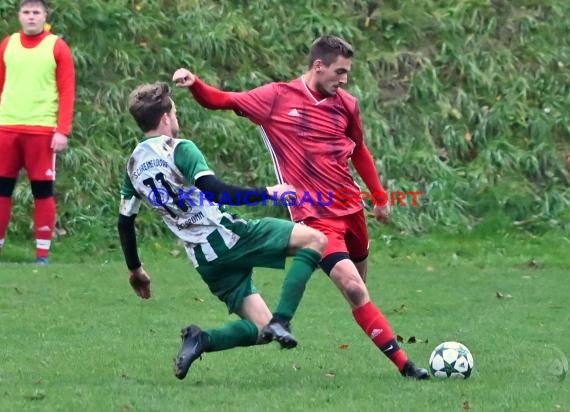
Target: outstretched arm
193 166
257 104
223 193
206 95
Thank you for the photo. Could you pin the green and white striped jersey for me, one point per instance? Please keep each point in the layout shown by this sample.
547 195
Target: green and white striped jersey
161 172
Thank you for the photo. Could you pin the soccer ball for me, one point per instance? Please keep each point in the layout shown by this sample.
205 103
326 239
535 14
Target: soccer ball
451 360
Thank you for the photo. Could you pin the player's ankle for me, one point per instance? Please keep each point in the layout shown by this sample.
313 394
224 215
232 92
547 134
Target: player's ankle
281 319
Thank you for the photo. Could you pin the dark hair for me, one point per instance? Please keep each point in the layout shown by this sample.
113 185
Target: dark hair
328 48
148 103
42 2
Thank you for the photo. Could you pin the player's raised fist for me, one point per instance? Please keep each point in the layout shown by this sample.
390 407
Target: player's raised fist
183 78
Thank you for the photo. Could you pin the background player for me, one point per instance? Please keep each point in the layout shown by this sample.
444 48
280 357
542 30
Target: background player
37 93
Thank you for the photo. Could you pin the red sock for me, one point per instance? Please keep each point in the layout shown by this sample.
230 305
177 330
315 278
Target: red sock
5 212
376 326
44 222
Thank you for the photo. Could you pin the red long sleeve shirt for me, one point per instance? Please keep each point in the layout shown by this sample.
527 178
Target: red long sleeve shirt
310 140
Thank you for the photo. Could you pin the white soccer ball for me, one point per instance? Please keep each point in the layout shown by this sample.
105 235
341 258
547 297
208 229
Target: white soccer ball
451 360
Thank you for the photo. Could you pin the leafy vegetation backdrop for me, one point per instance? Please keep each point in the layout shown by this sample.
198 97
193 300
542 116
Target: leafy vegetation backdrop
465 100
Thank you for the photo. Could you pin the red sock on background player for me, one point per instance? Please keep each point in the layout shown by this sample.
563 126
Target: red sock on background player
5 212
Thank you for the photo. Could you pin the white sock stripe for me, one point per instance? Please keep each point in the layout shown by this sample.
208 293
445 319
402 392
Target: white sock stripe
43 244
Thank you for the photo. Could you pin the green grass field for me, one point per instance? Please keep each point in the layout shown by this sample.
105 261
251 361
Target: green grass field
76 338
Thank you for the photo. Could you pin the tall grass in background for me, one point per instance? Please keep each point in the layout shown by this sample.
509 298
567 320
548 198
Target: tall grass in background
467 101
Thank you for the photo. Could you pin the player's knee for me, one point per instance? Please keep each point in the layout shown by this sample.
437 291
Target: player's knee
42 189
318 241
352 287
7 185
356 292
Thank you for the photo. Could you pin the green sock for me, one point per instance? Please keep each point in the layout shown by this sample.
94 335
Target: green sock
304 264
239 333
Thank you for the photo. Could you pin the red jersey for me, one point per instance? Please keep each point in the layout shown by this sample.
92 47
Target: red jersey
310 142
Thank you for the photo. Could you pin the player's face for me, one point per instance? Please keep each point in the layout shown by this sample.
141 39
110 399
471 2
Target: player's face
32 18
330 78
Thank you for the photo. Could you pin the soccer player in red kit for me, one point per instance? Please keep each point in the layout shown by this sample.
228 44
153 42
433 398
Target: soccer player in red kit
37 93
312 128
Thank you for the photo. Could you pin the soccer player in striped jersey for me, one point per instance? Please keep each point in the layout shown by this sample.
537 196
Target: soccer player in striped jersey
172 176
312 129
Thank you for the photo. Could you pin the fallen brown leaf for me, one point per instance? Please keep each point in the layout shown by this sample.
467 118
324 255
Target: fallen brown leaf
403 308
37 396
343 346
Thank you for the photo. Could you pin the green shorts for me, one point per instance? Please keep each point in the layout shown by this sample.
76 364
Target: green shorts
262 243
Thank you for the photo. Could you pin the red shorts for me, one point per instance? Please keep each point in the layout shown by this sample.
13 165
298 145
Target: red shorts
347 234
30 151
